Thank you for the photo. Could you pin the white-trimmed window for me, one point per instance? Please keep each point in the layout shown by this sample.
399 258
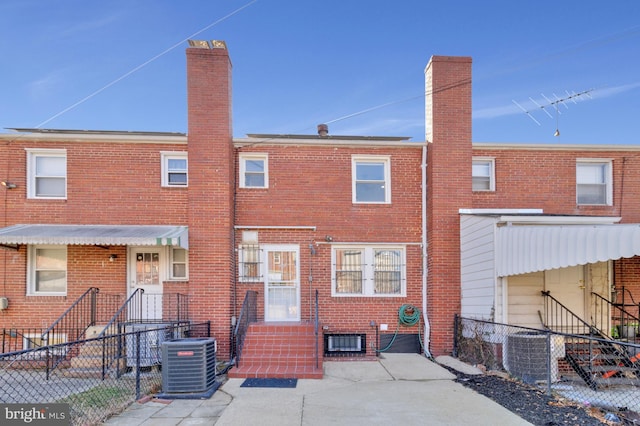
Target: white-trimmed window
371 179
174 169
36 341
594 182
179 264
483 174
254 170
47 270
368 271
47 173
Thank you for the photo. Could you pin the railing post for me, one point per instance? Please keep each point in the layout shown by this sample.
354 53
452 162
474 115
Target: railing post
138 333
549 365
316 332
94 306
455 335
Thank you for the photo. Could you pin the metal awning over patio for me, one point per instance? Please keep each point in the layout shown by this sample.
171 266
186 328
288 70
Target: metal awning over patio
98 235
530 248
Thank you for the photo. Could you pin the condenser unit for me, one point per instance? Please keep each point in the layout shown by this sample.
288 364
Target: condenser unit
188 366
151 338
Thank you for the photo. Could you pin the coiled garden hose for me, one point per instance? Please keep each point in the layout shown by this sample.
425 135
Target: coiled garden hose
408 316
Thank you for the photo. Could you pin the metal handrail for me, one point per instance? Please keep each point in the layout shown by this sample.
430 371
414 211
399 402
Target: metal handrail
616 313
569 322
248 314
74 311
124 306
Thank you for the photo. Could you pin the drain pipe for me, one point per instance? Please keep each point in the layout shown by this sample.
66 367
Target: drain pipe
425 316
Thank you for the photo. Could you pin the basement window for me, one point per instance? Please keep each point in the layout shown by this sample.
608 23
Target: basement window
341 344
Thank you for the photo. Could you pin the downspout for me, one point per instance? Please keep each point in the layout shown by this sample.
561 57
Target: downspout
425 317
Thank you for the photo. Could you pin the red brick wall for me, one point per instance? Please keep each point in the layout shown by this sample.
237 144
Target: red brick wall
448 106
107 183
546 179
310 186
211 187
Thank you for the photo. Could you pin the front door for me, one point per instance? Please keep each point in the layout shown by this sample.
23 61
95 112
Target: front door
282 284
146 273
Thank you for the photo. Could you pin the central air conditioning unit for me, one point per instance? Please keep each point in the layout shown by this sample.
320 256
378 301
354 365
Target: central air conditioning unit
151 338
188 366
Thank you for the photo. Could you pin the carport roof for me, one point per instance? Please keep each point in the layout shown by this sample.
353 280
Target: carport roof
530 248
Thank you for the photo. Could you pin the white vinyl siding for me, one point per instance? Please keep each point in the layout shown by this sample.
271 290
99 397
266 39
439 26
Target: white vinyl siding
477 251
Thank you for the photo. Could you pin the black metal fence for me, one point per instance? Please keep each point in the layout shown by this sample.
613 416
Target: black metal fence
582 368
95 383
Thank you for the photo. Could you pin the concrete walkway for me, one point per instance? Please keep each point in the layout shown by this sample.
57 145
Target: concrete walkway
395 389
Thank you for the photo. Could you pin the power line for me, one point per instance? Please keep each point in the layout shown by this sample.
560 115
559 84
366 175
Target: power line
144 64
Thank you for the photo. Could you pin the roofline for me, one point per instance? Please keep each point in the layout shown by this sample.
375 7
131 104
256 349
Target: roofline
552 147
93 136
298 140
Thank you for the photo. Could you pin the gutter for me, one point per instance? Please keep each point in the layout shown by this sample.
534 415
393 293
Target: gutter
425 317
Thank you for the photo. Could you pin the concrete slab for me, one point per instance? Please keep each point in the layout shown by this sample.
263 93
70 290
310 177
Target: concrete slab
413 367
458 365
394 389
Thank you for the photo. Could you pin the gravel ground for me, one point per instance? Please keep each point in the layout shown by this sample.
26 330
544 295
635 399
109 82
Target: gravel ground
534 405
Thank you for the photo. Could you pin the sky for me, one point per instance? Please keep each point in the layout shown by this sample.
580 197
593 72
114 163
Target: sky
353 64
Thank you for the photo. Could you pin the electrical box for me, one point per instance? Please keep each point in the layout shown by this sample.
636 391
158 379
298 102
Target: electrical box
4 303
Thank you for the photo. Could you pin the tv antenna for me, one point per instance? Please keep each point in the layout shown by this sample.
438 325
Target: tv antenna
554 104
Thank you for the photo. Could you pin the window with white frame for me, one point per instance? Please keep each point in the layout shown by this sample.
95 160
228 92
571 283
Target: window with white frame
179 264
47 173
36 341
174 169
594 182
371 179
254 170
483 174
47 270
368 271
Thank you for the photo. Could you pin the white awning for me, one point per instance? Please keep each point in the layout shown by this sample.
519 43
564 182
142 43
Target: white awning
98 235
531 248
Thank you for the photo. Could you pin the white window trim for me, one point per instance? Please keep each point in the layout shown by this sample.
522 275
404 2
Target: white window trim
253 156
186 265
31 268
355 159
32 154
492 173
608 177
368 272
170 155
54 339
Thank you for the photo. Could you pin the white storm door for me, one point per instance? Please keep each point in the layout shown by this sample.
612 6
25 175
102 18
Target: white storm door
282 283
146 272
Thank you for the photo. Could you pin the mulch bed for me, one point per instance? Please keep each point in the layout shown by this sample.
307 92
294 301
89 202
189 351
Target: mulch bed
532 403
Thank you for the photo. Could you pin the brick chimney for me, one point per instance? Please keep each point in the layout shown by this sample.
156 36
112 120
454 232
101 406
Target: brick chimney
448 131
211 186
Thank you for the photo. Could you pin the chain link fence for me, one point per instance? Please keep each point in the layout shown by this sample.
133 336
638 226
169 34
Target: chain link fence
586 369
96 377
